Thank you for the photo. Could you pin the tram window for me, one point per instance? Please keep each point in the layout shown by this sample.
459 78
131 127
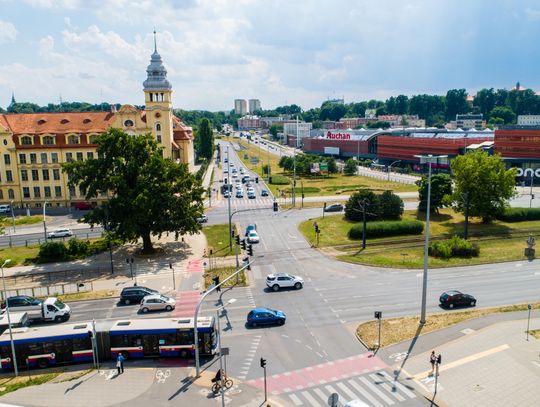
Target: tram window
167 339
81 344
185 337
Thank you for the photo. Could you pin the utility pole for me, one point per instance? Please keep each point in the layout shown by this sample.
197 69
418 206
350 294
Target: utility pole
466 231
294 166
263 365
363 203
229 192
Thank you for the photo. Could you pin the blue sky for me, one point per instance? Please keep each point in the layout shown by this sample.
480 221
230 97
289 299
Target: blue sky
280 52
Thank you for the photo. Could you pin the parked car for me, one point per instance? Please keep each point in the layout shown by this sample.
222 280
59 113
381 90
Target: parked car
203 218
250 227
333 208
239 193
5 208
451 299
60 233
283 280
265 316
157 302
225 171
22 301
227 194
51 309
253 237
83 206
264 192
251 195
135 294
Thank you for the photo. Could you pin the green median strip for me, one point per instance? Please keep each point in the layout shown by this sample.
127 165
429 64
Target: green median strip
223 273
15 383
395 330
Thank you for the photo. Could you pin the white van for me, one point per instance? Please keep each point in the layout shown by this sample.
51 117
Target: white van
5 209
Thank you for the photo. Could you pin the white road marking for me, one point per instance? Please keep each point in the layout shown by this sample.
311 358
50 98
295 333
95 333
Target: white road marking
319 393
387 386
374 402
376 390
310 399
346 390
295 400
400 386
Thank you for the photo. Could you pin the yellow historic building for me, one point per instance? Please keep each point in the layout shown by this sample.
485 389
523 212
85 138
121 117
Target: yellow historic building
33 146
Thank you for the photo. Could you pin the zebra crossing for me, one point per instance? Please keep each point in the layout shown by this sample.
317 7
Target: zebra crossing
378 389
246 202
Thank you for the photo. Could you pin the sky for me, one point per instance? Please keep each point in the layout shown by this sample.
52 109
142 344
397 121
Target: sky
278 51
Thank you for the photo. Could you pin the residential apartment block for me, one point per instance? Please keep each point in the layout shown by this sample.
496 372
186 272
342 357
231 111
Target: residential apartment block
254 105
240 106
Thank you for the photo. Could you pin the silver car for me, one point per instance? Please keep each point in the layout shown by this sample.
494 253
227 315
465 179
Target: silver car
157 302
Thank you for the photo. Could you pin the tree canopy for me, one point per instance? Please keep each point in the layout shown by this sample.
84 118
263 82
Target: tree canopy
441 185
148 195
204 140
485 181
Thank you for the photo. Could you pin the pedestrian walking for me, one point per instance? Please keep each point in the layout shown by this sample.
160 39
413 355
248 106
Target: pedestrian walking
120 363
432 360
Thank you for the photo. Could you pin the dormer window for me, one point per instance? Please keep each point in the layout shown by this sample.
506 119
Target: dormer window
41 121
73 139
128 123
87 120
48 140
26 141
64 121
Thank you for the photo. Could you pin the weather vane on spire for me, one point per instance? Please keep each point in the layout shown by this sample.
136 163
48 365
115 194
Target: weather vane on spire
155 43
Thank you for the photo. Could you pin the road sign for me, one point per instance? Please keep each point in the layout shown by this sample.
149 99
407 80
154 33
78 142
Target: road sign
224 351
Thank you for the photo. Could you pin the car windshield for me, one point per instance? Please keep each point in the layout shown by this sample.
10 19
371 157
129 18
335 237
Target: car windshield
163 298
272 311
253 233
59 304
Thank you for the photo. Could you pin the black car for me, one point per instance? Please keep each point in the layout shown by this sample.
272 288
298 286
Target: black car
134 295
21 301
264 192
451 299
333 208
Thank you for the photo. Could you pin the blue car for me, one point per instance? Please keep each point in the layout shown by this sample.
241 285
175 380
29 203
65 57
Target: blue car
265 316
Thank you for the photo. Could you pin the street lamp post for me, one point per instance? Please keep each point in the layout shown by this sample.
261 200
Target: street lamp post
12 215
222 391
44 221
390 166
427 159
229 193
9 320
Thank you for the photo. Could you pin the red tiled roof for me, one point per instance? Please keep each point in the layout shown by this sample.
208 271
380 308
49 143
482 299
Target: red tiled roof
39 123
180 130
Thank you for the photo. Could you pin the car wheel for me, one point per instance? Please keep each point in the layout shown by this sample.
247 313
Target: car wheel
42 363
253 324
58 318
473 303
281 322
450 305
127 302
298 286
275 287
144 310
168 308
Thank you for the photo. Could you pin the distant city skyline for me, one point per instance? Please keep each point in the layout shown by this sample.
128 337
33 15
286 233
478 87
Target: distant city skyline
300 53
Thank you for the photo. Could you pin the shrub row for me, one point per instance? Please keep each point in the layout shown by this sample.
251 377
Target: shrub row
279 180
75 249
387 228
519 214
454 247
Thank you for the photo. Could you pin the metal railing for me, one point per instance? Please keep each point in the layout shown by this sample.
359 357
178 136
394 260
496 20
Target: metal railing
51 290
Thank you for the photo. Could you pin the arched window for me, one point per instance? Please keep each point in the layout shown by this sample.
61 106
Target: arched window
93 139
158 127
48 140
26 140
128 123
73 139
11 194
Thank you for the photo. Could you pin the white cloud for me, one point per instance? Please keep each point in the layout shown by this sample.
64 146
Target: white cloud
8 32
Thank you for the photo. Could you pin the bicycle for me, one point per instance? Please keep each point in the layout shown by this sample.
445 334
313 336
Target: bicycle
216 387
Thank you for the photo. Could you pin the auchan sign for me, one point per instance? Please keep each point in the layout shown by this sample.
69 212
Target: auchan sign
528 173
339 136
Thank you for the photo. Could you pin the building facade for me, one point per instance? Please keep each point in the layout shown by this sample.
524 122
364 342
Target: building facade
249 123
528 120
240 107
296 129
33 146
254 105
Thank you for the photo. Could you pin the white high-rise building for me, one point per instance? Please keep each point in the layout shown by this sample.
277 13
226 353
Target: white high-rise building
240 106
254 105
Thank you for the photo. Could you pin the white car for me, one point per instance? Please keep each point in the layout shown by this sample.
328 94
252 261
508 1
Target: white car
157 302
356 403
283 280
60 233
253 237
225 170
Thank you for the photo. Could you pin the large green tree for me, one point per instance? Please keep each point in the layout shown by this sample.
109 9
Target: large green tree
441 185
205 140
504 113
148 195
485 181
456 103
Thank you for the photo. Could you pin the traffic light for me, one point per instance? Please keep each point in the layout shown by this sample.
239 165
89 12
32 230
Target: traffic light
250 250
317 228
243 242
275 206
263 362
256 180
378 314
439 359
246 260
237 239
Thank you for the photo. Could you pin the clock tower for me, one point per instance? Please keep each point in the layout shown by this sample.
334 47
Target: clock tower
158 102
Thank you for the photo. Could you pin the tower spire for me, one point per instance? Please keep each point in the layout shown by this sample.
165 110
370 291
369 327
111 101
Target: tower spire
155 42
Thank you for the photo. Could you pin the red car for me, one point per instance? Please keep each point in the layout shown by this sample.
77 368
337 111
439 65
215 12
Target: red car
83 205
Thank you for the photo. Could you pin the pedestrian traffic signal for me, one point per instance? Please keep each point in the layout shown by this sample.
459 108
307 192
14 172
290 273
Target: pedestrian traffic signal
243 242
237 239
439 359
246 260
256 180
275 206
263 362
317 228
250 250
378 314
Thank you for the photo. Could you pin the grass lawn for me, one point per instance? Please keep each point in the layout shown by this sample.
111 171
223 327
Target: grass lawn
223 273
11 384
90 295
395 330
217 237
22 220
19 255
335 184
497 243
535 333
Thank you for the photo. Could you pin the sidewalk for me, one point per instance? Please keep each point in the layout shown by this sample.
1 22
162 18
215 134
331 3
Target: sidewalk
491 365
